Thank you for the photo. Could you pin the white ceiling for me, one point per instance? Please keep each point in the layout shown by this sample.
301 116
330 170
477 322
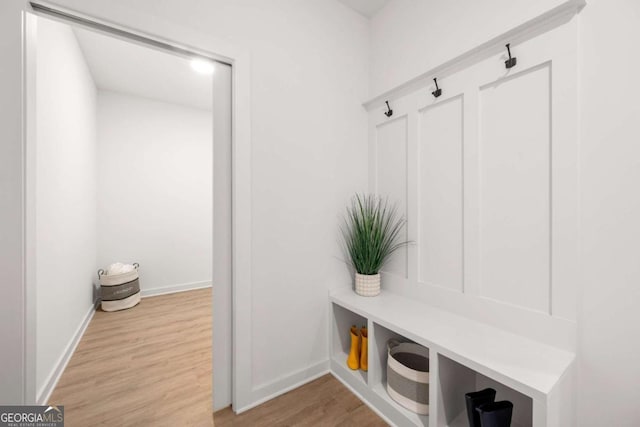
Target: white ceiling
126 67
367 8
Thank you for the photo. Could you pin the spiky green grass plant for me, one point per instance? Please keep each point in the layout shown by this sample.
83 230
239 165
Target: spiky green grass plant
371 232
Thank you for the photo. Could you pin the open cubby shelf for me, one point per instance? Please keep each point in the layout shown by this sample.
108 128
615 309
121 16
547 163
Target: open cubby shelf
465 355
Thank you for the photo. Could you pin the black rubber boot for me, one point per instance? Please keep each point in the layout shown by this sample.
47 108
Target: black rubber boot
475 399
496 414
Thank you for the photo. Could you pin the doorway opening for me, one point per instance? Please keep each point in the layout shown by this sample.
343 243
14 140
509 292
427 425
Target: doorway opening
137 169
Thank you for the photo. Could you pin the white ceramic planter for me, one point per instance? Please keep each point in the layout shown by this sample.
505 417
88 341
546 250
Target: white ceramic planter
368 285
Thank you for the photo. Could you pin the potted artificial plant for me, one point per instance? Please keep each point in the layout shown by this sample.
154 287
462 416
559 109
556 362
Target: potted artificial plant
371 233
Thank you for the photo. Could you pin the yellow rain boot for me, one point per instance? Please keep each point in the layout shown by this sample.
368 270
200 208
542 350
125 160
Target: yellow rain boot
353 361
364 353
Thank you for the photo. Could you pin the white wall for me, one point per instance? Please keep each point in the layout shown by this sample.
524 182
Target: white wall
155 163
609 319
410 37
309 64
301 35
65 183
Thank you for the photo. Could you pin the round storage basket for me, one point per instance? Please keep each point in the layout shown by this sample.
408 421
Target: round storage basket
119 291
408 375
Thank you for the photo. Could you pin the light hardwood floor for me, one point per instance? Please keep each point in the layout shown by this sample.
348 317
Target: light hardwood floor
146 366
151 366
323 402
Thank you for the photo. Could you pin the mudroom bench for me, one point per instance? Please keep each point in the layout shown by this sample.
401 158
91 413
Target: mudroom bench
465 355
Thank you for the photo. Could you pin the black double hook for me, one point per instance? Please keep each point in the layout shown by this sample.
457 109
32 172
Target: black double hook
389 111
436 93
511 62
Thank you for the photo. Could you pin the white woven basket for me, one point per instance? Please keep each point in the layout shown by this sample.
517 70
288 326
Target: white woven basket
119 291
368 285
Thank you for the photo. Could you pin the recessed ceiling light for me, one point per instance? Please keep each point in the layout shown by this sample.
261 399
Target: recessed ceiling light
202 66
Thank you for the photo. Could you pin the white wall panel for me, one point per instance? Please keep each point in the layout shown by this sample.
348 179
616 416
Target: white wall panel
515 189
491 187
65 176
440 194
391 178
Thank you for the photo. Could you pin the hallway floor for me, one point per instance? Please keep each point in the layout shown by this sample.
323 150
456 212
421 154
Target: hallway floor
151 366
147 366
323 402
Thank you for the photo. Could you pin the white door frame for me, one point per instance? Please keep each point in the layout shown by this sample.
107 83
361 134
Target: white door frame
185 39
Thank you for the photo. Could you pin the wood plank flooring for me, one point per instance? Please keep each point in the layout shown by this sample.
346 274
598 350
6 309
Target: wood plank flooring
146 366
323 402
151 366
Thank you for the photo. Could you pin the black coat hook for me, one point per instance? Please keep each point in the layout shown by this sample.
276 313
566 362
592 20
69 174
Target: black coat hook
388 113
511 62
436 93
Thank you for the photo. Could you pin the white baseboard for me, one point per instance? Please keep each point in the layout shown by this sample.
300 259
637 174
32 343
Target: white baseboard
283 385
52 380
144 293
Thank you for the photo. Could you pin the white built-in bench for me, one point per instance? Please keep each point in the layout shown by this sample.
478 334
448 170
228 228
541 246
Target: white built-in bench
465 355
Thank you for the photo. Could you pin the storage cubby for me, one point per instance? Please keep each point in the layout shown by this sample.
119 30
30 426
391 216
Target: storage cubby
378 354
343 319
464 356
456 379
